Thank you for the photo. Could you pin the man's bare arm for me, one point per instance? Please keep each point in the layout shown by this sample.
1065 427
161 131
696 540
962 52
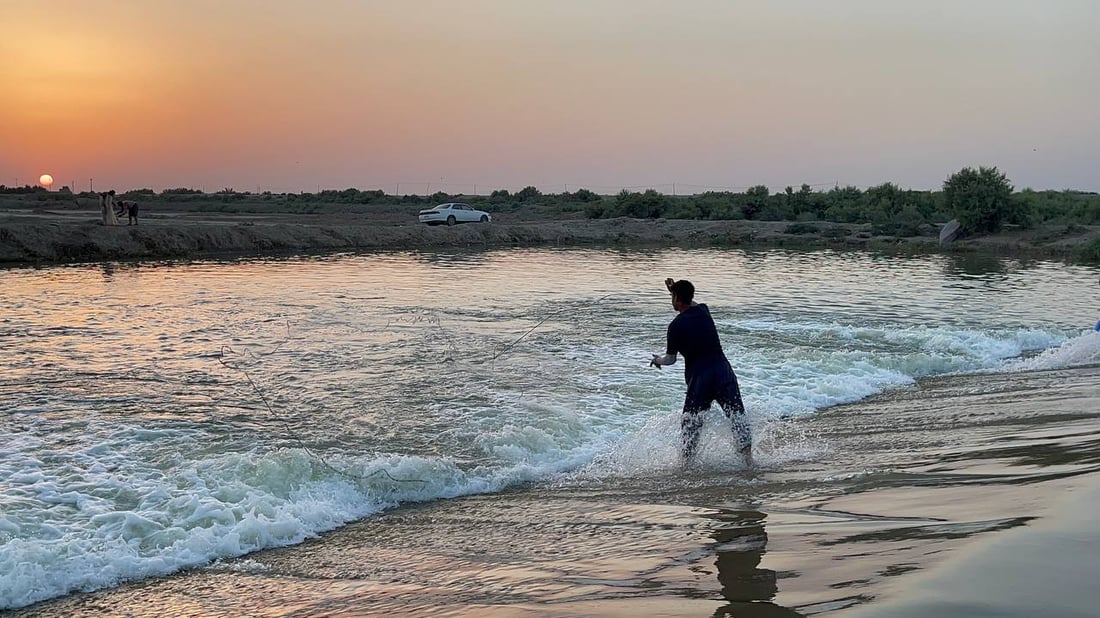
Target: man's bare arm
662 359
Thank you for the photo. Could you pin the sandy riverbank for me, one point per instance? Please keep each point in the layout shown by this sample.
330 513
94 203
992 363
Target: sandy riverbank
59 235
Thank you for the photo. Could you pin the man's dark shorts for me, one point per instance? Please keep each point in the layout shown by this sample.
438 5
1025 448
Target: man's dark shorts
718 384
701 393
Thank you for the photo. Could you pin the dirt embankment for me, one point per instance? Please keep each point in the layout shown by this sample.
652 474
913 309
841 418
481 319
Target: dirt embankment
66 236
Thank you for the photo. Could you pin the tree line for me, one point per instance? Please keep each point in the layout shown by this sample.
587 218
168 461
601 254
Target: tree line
983 200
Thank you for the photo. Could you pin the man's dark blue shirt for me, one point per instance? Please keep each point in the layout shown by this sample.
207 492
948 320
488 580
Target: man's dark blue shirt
692 334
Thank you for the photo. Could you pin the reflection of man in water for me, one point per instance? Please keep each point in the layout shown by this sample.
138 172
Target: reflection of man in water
741 544
707 372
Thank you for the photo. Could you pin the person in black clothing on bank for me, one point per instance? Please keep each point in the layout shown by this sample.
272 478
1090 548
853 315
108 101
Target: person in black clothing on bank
707 372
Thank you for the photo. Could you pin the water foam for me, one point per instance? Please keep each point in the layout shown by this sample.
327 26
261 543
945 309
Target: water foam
94 521
1078 351
816 366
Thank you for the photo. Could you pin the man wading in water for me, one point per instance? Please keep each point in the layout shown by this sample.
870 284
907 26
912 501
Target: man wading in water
707 372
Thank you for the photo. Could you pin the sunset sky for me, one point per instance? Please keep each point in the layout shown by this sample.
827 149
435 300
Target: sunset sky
288 95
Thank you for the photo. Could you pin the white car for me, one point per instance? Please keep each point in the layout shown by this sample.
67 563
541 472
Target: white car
452 213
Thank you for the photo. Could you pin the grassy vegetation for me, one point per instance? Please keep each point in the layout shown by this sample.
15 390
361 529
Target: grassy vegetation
983 200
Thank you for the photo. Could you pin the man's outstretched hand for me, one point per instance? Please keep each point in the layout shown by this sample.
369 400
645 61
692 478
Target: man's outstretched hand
668 283
653 362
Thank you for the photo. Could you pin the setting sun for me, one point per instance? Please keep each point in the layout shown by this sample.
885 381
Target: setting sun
45 180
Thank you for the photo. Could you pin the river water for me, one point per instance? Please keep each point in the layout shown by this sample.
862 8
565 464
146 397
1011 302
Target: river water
158 417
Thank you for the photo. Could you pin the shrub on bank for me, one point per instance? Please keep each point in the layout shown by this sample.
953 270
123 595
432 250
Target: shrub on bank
983 202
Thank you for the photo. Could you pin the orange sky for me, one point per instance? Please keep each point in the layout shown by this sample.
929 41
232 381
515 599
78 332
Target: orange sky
295 95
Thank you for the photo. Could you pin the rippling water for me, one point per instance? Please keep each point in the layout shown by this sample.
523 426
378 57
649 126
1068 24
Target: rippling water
155 417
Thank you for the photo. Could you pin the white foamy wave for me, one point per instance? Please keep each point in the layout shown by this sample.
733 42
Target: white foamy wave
792 369
1081 350
118 518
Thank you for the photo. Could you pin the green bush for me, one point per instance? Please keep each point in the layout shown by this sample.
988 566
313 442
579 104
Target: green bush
723 210
528 193
648 205
775 211
980 199
683 209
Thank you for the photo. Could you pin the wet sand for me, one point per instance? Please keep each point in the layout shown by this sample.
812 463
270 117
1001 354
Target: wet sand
1046 570
37 235
961 496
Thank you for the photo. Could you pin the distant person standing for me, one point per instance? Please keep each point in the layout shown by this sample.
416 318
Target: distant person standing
707 372
107 202
132 212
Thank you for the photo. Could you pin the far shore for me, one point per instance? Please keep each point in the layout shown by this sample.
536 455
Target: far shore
59 235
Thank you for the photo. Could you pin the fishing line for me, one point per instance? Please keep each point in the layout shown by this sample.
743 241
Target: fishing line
437 321
221 356
540 323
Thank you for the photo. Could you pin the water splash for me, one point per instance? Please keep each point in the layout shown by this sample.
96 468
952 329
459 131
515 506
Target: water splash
1076 352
